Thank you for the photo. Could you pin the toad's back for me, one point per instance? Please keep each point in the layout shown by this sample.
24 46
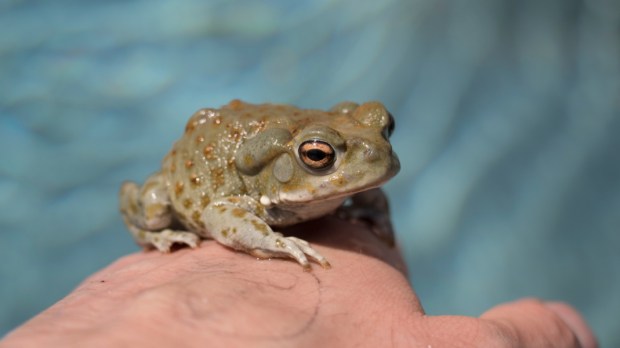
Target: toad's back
201 165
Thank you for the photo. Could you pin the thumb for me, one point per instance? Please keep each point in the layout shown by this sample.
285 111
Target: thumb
536 323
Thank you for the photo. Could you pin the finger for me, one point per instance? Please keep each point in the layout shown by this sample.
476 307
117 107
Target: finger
575 321
530 322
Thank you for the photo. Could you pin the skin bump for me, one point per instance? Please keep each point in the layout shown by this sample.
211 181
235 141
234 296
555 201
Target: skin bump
178 188
195 180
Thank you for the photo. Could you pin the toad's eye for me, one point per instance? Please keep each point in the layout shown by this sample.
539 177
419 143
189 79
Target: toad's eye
317 155
389 129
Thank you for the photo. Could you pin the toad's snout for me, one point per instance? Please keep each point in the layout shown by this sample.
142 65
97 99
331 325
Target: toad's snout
371 152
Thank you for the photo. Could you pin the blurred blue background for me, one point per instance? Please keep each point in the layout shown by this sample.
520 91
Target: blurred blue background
508 123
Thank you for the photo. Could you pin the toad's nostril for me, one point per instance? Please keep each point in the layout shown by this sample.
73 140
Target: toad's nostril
371 155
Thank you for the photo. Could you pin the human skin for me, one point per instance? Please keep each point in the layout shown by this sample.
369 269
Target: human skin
213 296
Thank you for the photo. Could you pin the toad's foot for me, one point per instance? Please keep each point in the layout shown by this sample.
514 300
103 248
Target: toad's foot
276 245
234 225
164 239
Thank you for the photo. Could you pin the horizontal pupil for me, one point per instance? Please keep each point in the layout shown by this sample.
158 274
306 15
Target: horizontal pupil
315 155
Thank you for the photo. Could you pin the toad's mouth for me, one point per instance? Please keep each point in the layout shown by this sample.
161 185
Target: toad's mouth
336 188
303 197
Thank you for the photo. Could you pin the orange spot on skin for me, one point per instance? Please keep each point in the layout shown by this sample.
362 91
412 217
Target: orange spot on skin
191 125
337 180
235 104
196 217
238 212
208 151
262 228
187 203
153 211
133 208
200 139
204 200
248 160
195 180
296 186
235 135
189 164
178 188
217 177
234 200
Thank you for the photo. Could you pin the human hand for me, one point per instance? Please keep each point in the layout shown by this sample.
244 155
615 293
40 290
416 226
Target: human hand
218 297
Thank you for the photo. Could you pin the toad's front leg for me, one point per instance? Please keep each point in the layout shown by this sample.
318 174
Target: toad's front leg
236 226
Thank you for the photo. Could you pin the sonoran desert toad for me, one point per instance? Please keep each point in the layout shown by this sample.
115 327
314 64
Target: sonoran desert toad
243 169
